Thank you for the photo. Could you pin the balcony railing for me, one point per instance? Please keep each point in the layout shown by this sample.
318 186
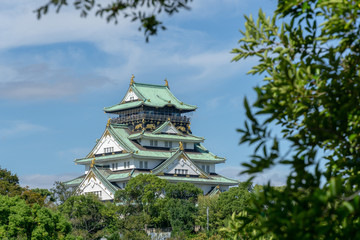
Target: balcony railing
150 116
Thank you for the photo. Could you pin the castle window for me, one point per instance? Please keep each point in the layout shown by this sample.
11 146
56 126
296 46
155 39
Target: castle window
145 164
168 144
132 98
125 164
184 144
141 164
124 185
153 143
97 193
181 171
108 149
207 168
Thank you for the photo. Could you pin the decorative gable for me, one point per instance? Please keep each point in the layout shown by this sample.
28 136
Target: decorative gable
107 144
167 128
182 166
170 129
179 163
93 185
130 96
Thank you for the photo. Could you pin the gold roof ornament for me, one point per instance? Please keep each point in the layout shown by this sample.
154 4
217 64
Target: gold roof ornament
181 146
108 122
132 80
92 163
166 83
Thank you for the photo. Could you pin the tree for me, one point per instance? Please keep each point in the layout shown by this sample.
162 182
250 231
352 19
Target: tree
222 206
142 191
89 217
308 53
183 190
144 11
60 192
18 220
180 206
9 183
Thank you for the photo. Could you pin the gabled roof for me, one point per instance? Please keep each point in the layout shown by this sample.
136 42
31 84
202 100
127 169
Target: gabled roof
120 132
102 176
164 125
178 154
164 136
214 191
152 96
217 179
110 129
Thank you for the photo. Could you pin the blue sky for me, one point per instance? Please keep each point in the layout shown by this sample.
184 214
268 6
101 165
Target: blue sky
57 74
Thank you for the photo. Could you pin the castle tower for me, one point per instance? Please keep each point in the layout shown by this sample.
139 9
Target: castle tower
149 133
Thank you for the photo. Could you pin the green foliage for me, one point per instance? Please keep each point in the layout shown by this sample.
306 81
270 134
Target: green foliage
9 183
181 214
215 220
183 190
89 217
144 11
236 200
18 220
60 192
309 56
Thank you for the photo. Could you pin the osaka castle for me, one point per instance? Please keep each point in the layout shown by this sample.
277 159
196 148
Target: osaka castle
149 133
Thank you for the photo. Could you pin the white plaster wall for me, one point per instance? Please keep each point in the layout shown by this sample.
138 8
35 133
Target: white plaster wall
93 185
152 163
182 163
130 94
105 142
206 188
175 144
170 129
87 167
211 167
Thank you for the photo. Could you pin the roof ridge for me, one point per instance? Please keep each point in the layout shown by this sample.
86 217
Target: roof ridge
149 84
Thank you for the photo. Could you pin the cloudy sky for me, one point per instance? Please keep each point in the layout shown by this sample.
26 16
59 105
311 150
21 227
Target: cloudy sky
57 74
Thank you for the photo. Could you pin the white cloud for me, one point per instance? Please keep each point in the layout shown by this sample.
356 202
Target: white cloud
45 181
20 128
39 81
182 55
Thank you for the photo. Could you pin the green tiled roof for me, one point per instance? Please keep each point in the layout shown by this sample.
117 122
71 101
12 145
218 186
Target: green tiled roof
152 96
171 159
75 181
218 179
101 174
179 138
201 157
214 192
121 135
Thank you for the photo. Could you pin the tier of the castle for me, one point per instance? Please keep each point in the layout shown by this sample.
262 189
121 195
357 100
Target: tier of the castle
149 133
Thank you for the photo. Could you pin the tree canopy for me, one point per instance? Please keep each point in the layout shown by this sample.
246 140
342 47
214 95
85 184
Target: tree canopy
308 54
146 12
